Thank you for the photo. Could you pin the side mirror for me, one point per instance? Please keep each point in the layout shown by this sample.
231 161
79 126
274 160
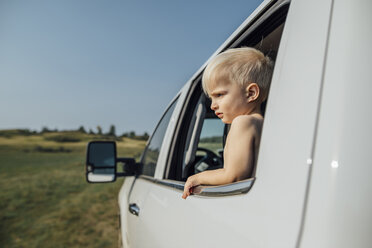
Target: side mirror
101 163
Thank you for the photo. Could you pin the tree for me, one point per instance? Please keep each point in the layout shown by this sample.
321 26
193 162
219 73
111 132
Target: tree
112 131
146 136
81 129
45 130
132 135
99 130
91 131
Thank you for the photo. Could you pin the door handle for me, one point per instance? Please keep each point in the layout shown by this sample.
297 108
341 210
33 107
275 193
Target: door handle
134 209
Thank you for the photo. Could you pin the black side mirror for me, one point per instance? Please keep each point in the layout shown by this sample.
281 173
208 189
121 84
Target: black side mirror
101 163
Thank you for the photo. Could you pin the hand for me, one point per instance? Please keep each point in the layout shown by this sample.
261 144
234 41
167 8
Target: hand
189 186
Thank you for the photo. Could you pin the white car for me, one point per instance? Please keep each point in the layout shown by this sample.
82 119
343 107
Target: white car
312 186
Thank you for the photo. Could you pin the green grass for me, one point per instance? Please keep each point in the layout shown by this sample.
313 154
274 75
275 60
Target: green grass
45 200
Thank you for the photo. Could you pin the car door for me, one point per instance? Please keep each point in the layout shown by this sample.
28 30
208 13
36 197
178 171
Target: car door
265 210
138 223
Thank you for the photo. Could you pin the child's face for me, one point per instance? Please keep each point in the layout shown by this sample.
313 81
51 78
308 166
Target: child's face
229 100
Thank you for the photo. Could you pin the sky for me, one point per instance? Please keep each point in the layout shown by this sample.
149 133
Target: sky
71 63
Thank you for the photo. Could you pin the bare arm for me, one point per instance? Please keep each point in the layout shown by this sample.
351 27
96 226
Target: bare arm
239 157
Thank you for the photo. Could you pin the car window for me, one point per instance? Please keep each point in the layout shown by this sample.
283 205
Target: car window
203 148
209 151
211 136
207 145
151 153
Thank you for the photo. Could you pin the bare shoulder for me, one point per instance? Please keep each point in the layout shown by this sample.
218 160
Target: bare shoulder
247 122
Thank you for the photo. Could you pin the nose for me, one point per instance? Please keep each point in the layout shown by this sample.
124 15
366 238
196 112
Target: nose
214 106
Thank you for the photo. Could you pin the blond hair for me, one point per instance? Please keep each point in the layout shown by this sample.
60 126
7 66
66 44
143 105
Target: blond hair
242 66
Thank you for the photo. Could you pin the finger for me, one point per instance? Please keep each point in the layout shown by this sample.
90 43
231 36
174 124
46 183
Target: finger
184 195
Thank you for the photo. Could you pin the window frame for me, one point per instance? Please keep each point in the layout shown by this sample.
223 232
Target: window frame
172 104
193 134
230 189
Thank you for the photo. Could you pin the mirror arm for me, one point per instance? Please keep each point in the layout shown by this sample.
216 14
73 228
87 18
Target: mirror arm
129 163
126 160
138 168
123 174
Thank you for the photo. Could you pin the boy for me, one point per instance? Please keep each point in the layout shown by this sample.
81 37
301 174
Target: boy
237 82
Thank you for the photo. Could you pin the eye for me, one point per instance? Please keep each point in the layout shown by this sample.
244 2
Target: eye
218 94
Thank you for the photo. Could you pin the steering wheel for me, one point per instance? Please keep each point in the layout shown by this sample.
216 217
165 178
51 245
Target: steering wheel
209 161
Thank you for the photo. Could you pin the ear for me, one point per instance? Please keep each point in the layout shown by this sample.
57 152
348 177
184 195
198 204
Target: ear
252 92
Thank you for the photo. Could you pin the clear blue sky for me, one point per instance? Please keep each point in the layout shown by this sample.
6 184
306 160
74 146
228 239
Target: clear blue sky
69 63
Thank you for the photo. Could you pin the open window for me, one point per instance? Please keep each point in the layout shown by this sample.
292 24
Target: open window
204 146
200 134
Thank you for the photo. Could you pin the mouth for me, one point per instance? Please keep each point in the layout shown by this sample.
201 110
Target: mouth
220 115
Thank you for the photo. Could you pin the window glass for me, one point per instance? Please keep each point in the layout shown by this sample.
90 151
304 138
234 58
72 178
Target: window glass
210 146
152 151
211 136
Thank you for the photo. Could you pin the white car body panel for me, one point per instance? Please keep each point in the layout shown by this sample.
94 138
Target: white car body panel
123 200
339 209
313 86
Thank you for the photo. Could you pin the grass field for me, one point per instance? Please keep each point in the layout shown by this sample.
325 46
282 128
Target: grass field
44 198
